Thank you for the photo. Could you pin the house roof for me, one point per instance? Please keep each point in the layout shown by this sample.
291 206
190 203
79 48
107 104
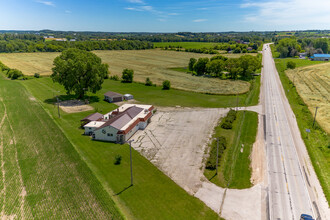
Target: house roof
93 117
94 124
113 94
322 55
123 118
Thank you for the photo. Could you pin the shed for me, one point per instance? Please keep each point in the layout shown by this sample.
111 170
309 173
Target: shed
93 117
320 57
113 97
128 97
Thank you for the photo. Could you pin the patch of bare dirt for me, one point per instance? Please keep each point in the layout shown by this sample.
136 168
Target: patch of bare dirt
73 106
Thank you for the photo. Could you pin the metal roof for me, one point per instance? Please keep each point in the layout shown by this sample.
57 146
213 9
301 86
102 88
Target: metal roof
93 117
113 94
322 55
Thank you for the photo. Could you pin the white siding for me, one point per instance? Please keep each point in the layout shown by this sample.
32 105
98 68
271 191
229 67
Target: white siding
109 135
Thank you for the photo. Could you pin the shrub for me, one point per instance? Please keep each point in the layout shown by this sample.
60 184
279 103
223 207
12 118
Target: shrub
166 85
148 82
127 76
14 74
117 159
291 65
227 122
115 78
227 125
36 75
212 160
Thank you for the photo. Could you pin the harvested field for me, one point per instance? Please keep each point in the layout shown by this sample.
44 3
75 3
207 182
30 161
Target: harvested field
154 64
313 85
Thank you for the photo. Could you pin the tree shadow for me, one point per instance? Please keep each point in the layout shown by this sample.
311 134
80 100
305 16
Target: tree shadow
126 188
89 98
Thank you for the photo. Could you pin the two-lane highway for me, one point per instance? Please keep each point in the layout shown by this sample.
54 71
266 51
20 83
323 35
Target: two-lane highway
287 191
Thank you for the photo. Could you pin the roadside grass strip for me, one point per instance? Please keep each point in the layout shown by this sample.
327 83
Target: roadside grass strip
234 165
42 176
317 141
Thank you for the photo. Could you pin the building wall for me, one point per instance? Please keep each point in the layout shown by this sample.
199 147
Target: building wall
109 135
89 129
321 59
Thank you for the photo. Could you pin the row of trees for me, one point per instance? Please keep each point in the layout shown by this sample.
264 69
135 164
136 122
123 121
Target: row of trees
242 67
291 47
11 73
18 45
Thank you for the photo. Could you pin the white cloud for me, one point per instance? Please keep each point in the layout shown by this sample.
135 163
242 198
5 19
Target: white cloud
136 1
290 12
161 19
141 8
48 3
173 14
68 11
199 20
133 9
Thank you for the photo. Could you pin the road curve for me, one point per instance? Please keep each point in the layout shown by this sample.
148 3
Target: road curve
288 195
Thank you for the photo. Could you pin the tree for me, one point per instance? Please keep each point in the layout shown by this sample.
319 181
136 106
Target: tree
322 43
166 85
148 82
200 66
192 62
233 67
127 76
215 67
249 65
79 71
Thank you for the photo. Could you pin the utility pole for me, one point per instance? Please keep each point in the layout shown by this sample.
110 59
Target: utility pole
315 116
236 101
216 167
130 153
58 106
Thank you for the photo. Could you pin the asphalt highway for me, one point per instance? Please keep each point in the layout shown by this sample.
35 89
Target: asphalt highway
288 196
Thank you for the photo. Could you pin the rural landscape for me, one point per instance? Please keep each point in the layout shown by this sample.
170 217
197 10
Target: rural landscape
154 123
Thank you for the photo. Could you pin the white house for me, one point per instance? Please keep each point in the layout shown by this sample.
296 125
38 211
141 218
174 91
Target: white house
120 125
91 126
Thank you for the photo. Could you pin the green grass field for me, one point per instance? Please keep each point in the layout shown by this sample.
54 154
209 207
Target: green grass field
186 45
154 195
234 165
41 174
318 141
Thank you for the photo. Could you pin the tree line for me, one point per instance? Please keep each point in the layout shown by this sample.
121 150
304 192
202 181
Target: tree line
291 47
19 45
222 67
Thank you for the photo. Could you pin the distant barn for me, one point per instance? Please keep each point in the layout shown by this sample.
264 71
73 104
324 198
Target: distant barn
113 97
320 57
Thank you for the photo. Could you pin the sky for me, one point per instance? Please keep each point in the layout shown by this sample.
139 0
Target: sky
165 15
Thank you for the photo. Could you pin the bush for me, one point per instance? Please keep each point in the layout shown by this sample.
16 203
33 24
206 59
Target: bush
166 85
127 76
148 82
36 75
227 122
117 159
291 65
227 125
115 78
212 160
14 74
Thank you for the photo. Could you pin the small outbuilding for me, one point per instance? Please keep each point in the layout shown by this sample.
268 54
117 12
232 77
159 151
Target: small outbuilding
320 57
93 117
128 97
113 97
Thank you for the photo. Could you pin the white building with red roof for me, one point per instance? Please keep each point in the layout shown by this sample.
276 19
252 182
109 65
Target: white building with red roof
120 125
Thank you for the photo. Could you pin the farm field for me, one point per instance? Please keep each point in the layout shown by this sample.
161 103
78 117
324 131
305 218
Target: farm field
154 64
153 195
41 174
313 85
234 165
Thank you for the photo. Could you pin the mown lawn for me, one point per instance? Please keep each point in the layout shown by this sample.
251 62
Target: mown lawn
317 141
234 165
153 195
42 176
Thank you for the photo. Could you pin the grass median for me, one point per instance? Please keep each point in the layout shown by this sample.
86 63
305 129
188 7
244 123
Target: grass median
234 166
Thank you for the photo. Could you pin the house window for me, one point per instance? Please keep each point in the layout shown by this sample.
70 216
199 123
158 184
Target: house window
103 131
90 128
110 134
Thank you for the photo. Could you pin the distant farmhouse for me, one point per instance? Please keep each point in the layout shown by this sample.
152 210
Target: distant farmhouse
320 57
113 97
120 124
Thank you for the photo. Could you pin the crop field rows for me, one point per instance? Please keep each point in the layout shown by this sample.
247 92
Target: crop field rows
154 64
313 85
41 175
